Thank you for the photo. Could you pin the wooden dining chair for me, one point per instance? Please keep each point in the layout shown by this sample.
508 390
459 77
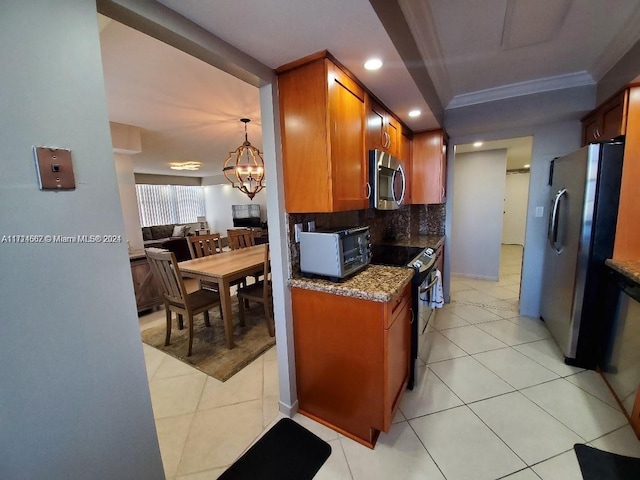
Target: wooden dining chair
260 292
204 245
176 299
240 238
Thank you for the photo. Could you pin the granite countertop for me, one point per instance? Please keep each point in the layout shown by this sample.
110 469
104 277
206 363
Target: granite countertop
628 268
376 282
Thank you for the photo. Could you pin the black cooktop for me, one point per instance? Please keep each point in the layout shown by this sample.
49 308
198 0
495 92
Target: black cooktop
393 255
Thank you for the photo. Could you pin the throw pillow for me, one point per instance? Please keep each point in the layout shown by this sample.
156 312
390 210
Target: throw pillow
179 231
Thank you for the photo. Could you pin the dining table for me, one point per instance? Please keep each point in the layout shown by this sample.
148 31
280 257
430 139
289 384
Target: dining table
222 269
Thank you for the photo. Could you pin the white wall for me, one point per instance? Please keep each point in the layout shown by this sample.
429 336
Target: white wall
515 208
217 203
478 199
549 141
74 401
128 199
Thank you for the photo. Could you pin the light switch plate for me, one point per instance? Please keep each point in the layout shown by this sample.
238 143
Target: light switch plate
539 212
297 229
54 168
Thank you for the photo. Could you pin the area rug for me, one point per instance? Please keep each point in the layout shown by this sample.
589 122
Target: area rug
600 465
210 353
288 451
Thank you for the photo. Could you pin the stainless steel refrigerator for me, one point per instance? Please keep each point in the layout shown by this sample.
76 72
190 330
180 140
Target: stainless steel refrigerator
584 195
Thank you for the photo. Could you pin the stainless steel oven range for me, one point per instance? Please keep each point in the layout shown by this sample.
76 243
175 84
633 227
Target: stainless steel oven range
423 262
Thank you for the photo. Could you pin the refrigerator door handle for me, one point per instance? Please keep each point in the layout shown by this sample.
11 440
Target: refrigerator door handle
553 230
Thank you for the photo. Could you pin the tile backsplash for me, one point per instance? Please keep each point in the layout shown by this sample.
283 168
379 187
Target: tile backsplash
409 220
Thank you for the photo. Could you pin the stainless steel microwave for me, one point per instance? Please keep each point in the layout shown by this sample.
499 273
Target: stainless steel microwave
335 253
387 179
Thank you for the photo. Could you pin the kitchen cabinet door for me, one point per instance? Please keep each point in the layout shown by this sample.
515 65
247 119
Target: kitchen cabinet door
627 241
607 121
348 158
352 360
404 155
429 167
322 115
383 130
397 341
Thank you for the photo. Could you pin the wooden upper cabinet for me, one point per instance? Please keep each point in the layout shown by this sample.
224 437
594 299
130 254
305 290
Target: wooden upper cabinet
627 242
608 121
383 130
322 116
404 155
429 167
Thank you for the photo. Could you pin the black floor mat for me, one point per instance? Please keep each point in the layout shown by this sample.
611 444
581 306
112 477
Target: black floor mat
286 452
600 465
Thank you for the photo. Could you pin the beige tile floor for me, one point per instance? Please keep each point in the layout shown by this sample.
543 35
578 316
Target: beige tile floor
493 400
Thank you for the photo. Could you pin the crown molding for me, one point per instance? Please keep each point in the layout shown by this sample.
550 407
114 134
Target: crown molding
559 82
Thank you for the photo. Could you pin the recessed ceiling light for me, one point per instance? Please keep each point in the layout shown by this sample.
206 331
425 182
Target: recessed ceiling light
477 144
185 166
373 64
415 113
527 166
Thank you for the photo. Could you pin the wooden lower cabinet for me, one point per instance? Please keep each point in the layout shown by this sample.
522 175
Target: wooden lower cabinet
352 360
146 287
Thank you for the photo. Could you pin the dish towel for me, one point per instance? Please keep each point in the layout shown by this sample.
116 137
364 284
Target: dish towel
437 296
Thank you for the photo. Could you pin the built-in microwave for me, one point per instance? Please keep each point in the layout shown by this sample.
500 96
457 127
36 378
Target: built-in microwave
387 179
335 253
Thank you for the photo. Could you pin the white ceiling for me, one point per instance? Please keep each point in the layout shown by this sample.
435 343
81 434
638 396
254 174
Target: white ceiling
187 110
518 150
474 51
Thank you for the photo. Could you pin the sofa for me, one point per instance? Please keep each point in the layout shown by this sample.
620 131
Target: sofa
171 237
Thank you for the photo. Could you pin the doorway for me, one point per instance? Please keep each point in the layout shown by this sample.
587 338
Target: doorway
491 185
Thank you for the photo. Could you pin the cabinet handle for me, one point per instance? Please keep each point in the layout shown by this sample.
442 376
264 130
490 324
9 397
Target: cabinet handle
368 186
596 133
386 140
442 192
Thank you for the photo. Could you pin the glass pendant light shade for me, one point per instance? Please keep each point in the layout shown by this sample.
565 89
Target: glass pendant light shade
244 167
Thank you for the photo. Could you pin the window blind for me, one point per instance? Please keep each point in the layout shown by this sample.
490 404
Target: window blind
166 204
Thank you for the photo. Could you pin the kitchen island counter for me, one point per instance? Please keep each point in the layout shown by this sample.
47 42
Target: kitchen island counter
376 282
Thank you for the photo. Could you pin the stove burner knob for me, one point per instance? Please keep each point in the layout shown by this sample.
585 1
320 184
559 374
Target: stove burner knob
429 251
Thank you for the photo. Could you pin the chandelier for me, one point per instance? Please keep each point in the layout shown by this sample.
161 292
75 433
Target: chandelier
244 167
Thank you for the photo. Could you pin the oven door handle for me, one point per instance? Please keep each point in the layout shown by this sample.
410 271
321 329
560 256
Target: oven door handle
429 287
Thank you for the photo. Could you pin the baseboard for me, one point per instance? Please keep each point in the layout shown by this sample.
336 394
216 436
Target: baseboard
475 277
288 410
